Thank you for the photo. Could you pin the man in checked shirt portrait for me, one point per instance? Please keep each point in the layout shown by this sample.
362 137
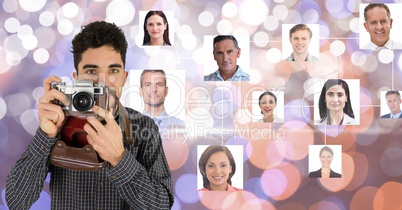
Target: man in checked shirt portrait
136 176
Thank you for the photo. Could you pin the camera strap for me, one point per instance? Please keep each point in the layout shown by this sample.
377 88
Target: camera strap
124 121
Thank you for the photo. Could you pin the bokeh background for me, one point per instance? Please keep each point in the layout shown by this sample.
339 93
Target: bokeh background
35 42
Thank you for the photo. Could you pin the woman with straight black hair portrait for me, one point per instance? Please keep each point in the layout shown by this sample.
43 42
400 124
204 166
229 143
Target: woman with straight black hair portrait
335 104
156 29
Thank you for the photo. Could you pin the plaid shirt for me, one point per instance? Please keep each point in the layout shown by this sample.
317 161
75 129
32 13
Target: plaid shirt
142 179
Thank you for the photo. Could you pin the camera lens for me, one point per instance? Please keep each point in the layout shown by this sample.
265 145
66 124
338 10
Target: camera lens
82 101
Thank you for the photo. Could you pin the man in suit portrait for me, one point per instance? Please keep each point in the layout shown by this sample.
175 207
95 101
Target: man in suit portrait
394 104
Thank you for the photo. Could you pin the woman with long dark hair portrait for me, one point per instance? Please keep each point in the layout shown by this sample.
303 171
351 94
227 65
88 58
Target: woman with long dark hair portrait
156 29
335 104
217 167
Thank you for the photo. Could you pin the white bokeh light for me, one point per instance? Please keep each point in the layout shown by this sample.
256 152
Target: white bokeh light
3 108
12 25
271 23
386 56
206 18
120 12
10 6
32 6
229 10
354 25
70 10
280 11
253 12
189 42
24 30
13 58
41 56
337 48
311 16
183 31
224 27
29 121
46 18
358 58
65 27
29 42
261 39
255 77
274 55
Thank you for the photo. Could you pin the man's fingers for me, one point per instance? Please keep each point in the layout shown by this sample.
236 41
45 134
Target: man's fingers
54 94
47 83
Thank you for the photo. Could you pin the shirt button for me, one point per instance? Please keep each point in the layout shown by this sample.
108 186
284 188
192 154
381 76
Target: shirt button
42 146
114 176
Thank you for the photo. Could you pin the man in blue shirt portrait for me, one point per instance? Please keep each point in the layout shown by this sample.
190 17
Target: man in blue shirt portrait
394 104
226 52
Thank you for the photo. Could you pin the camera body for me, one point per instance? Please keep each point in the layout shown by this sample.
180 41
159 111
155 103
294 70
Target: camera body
83 95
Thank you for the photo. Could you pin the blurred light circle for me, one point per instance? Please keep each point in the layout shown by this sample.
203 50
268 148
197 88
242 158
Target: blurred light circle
243 116
229 10
311 16
199 56
362 196
30 42
358 58
176 149
10 6
183 31
338 48
390 157
41 56
29 122
388 196
46 18
189 42
261 39
70 10
370 65
32 6
354 25
13 58
273 55
325 205
224 27
256 76
186 188
65 27
3 108
253 12
280 11
12 25
386 56
274 182
271 23
206 18
24 30
120 12
17 104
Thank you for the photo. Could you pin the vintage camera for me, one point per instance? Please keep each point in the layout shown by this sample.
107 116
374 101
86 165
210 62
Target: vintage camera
83 95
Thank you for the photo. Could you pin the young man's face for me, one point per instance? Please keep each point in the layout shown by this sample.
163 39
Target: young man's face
394 103
300 41
226 55
153 89
378 25
104 65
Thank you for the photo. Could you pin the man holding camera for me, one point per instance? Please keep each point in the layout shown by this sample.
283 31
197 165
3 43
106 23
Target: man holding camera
135 176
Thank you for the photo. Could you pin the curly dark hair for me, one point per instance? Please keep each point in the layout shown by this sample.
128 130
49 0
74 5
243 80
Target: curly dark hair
98 34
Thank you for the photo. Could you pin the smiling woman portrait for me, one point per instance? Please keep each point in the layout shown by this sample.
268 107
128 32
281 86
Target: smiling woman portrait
267 103
326 157
217 167
156 29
